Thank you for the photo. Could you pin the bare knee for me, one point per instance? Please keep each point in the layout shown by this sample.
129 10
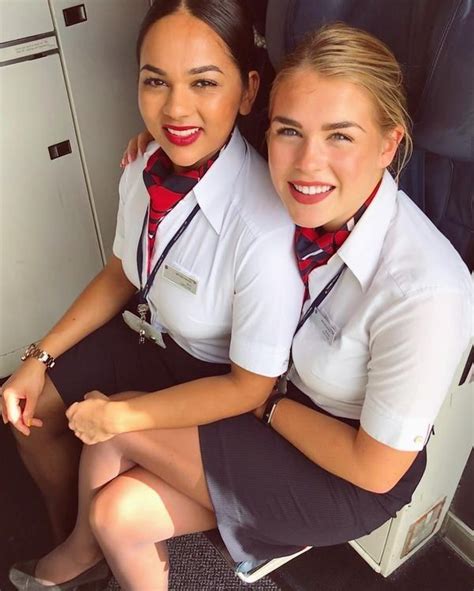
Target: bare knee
113 515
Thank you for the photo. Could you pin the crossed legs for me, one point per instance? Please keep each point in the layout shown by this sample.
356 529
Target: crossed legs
144 510
135 491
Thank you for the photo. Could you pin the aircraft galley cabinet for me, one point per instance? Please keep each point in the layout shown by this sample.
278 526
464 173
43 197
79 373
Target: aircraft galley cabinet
68 79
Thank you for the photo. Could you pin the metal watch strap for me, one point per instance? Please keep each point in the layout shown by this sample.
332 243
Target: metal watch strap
34 351
270 408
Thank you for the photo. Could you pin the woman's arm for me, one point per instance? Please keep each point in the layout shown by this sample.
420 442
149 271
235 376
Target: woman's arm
98 303
105 295
415 346
193 403
341 449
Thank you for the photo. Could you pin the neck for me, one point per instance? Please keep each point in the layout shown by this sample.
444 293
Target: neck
180 169
335 225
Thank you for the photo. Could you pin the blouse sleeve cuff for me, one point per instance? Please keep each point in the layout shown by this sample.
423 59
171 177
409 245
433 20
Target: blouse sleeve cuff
259 358
117 246
402 433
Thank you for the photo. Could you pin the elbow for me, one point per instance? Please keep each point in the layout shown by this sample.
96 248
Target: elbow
374 477
251 389
379 484
379 490
258 397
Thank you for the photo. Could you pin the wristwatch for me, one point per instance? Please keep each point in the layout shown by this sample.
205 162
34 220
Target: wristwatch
271 407
36 353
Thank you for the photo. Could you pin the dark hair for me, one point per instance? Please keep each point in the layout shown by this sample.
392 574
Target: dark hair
227 18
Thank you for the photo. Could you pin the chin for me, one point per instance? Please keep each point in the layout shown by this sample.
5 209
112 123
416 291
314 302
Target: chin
305 218
178 158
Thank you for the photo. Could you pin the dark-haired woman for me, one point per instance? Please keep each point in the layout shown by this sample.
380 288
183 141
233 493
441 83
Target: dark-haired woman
204 239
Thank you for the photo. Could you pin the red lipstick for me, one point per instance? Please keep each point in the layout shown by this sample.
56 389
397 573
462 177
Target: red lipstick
311 199
181 140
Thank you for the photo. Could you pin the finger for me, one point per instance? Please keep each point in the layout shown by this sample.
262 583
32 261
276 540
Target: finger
124 161
143 140
80 436
94 395
12 411
12 408
21 427
70 411
36 422
29 410
4 412
132 150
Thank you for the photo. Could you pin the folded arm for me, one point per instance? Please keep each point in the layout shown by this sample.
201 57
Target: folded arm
341 449
193 403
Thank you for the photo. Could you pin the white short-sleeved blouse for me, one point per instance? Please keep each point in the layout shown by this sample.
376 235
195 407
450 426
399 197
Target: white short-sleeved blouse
392 331
229 288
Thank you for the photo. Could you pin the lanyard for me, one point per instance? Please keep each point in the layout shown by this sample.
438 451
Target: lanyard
143 307
318 300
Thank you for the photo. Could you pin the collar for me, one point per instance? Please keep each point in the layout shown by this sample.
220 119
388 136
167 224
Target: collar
361 251
215 190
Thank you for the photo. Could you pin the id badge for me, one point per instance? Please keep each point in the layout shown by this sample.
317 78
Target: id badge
181 278
151 333
327 327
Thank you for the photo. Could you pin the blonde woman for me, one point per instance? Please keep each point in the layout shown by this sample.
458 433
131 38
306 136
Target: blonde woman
341 447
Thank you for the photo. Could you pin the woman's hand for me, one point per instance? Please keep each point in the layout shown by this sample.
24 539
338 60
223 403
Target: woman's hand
88 418
137 145
20 395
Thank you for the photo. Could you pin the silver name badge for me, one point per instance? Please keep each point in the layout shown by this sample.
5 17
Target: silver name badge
180 278
328 329
149 332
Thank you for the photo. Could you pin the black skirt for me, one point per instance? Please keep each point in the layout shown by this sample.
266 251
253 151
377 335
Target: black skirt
270 500
111 360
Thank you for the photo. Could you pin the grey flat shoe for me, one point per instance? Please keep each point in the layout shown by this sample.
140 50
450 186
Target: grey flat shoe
22 576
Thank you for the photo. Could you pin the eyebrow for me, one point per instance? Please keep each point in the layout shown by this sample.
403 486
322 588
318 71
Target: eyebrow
325 127
193 71
341 125
286 121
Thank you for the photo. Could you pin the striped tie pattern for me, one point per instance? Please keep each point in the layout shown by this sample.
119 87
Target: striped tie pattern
315 246
166 188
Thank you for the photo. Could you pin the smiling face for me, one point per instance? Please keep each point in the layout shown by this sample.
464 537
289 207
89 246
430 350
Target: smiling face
326 150
190 89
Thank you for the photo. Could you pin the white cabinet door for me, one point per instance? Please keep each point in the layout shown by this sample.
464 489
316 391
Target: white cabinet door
101 71
24 18
48 242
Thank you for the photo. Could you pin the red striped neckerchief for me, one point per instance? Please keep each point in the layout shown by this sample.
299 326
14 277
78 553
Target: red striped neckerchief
166 188
315 246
